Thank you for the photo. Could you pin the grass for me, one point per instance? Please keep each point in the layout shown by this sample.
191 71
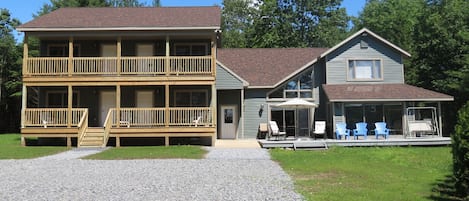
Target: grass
10 148
150 152
392 173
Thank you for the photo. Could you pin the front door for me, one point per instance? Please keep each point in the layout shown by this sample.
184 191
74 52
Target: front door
144 50
107 101
229 121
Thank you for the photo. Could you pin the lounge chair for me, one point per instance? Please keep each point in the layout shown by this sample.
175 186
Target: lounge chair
361 130
381 130
319 129
197 121
341 130
275 131
262 131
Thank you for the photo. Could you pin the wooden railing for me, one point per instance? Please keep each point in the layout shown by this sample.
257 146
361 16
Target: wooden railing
190 116
94 65
46 66
108 126
155 117
82 127
172 65
143 65
45 117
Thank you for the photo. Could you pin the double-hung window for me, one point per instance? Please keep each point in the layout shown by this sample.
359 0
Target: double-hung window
365 69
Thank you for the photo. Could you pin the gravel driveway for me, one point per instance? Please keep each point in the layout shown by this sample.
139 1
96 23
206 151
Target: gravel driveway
225 174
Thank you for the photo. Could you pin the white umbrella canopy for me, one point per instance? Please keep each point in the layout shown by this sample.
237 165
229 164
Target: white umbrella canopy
297 103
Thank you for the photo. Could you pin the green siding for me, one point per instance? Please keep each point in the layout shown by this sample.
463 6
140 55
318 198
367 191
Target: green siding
226 80
393 70
230 97
252 118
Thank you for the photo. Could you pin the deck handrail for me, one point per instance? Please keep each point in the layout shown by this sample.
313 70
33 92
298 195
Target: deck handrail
108 125
129 65
44 117
82 127
190 116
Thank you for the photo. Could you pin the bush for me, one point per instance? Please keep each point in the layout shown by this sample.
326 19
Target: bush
461 153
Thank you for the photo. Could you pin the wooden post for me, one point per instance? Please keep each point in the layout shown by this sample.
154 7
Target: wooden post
118 141
214 112
440 130
69 141
214 55
167 56
24 99
25 55
166 105
166 140
118 105
119 55
242 112
70 56
23 141
69 109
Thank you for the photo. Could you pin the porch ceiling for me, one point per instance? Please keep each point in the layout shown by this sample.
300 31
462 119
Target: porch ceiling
381 93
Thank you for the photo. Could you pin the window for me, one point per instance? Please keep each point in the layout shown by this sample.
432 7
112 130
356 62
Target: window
191 98
196 49
61 50
365 69
300 87
59 99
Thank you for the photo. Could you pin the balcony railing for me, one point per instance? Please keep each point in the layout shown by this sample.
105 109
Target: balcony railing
123 66
55 117
129 117
154 117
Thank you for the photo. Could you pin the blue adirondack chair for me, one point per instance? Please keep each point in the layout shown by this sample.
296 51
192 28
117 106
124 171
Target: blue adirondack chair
361 130
381 130
341 130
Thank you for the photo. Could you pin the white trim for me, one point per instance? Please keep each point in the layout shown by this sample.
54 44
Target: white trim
118 29
245 83
372 34
260 87
351 79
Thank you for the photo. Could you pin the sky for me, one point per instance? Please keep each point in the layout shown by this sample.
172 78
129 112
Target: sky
24 9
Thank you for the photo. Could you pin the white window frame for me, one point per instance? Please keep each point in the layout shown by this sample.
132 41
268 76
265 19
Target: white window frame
373 61
298 90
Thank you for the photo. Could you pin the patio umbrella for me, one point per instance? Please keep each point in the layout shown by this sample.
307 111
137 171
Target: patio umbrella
297 103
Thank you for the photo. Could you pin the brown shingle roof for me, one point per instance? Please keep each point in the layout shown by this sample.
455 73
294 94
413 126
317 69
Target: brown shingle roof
381 92
168 17
266 66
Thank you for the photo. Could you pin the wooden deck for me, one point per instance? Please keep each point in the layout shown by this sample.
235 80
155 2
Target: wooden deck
309 143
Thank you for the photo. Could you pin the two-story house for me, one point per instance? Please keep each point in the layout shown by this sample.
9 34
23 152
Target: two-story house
158 73
121 72
361 79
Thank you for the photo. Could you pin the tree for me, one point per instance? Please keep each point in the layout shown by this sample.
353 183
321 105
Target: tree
237 19
156 3
10 74
460 151
394 20
298 23
125 3
56 4
442 60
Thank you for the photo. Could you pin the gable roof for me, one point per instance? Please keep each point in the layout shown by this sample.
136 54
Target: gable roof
360 32
141 18
266 67
381 92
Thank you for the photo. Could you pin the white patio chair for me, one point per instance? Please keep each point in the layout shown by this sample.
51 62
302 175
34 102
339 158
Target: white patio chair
275 131
319 129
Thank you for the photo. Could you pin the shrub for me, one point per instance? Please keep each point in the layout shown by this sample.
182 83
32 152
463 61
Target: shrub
461 153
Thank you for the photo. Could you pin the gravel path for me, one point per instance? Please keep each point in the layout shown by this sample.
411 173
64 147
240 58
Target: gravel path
225 174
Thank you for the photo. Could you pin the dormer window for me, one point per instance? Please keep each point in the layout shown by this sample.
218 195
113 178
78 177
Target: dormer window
364 69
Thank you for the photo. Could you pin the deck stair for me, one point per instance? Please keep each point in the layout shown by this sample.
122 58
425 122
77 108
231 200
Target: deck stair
94 137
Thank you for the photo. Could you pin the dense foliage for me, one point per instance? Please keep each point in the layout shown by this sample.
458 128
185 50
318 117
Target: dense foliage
10 74
461 153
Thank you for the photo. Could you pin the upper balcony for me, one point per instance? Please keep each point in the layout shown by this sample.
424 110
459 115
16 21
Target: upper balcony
122 58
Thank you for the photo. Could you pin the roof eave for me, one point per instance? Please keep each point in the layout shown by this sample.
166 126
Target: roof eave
403 52
53 29
392 100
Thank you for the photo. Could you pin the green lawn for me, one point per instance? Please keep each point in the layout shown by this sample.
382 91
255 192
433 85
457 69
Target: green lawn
10 148
150 152
392 173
